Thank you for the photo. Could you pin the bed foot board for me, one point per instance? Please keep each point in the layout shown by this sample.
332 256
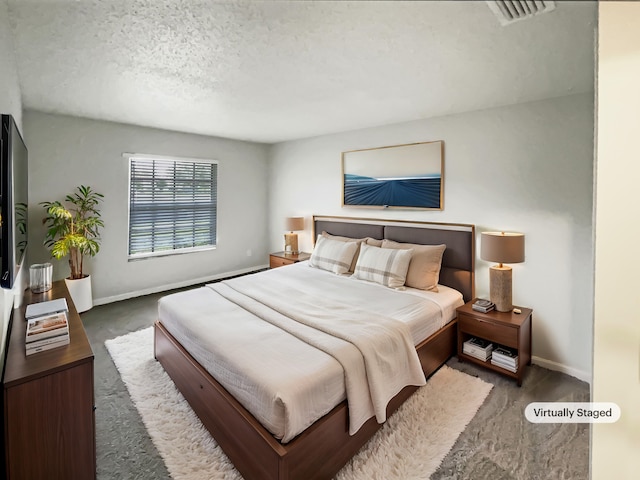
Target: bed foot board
317 453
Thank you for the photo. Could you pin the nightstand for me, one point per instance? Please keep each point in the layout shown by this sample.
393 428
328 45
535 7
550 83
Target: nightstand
279 259
509 329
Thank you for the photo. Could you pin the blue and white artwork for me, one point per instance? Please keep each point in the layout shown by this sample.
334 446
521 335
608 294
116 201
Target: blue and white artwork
400 176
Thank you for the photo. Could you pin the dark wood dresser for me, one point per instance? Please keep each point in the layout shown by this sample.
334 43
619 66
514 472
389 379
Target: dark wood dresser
49 422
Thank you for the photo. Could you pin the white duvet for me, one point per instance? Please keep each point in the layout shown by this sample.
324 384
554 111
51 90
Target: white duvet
289 373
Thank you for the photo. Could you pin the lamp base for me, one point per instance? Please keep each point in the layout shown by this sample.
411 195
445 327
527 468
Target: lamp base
500 287
291 244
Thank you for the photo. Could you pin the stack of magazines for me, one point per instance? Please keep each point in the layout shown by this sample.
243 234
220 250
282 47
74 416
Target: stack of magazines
505 358
483 306
478 348
47 326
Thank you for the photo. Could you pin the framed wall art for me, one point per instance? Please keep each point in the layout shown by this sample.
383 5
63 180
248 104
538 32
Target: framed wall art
399 176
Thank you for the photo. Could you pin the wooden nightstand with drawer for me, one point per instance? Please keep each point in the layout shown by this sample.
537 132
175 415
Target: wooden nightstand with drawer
279 259
508 329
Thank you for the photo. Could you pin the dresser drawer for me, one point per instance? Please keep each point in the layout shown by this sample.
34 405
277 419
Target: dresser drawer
275 262
486 329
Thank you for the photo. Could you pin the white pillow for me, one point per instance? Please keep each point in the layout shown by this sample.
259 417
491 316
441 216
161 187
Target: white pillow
424 268
333 255
386 266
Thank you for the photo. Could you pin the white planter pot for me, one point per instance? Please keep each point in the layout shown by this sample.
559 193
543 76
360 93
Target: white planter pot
80 291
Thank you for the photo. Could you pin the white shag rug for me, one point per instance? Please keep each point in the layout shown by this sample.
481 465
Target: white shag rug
411 445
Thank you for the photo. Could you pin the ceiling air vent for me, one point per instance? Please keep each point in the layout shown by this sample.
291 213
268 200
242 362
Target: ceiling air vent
509 11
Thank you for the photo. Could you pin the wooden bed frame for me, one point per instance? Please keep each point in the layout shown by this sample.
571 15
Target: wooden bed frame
326 446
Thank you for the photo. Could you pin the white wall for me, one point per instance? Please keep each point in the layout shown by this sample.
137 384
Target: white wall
10 99
10 102
526 168
616 357
65 152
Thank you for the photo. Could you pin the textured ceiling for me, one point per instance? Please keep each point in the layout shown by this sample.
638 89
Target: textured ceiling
270 71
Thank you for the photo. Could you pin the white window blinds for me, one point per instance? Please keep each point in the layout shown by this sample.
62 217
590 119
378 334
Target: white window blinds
172 205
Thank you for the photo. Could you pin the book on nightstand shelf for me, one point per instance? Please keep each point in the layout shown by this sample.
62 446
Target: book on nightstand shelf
498 363
478 348
505 358
46 332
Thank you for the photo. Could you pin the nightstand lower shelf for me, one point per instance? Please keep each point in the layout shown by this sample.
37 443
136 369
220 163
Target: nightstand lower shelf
488 365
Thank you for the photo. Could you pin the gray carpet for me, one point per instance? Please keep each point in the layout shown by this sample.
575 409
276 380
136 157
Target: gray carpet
498 444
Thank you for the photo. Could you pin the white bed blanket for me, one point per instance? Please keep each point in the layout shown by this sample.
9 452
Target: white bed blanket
376 352
284 382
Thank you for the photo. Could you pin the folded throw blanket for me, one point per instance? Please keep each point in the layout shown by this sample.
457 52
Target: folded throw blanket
376 352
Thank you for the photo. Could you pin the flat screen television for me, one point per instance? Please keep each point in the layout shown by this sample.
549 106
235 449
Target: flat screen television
14 186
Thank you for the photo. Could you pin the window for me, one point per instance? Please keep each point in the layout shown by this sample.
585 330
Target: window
172 205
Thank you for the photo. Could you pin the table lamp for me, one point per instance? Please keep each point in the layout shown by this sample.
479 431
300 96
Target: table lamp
501 247
291 239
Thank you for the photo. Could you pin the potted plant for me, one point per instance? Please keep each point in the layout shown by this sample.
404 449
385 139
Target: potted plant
73 229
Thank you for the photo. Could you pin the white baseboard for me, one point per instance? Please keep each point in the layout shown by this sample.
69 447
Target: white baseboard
559 367
172 286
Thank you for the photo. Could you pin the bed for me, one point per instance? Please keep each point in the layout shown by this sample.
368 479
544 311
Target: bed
259 446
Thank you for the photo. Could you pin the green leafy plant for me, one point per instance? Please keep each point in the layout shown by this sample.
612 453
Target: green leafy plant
73 227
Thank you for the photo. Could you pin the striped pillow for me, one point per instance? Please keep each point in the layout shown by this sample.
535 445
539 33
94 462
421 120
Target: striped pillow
347 239
333 255
386 266
424 268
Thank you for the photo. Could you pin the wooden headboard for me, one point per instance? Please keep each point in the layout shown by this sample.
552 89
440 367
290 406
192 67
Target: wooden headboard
459 257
